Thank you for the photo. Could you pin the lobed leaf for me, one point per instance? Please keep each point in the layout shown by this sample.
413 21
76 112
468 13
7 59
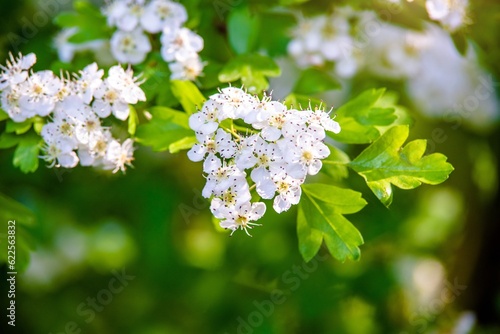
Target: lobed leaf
167 127
242 28
188 95
313 81
364 118
320 217
26 154
385 163
252 69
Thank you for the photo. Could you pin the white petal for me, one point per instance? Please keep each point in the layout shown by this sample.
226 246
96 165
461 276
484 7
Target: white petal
315 167
211 163
258 210
197 152
266 189
280 205
270 133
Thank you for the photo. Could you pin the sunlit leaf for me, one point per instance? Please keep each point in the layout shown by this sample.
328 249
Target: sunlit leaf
313 81
321 217
335 165
165 128
183 144
243 28
252 69
133 120
386 162
364 118
188 95
26 154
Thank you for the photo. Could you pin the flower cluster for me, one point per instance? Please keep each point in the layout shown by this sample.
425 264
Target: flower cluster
327 38
273 153
76 106
359 42
452 14
130 43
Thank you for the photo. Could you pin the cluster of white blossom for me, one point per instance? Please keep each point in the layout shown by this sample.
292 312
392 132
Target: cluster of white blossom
130 43
438 78
276 152
66 50
451 14
326 38
75 106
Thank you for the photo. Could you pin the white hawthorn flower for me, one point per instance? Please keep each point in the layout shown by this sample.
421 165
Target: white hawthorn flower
308 153
89 80
188 69
289 191
242 217
120 155
207 120
220 143
272 126
180 44
59 152
129 18
125 82
223 178
38 92
452 14
16 70
235 102
10 104
159 14
130 46
108 99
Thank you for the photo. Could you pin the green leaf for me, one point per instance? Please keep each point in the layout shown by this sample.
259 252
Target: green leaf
89 20
26 154
184 144
167 126
133 120
18 128
12 210
364 118
384 163
243 28
252 69
3 115
335 165
313 81
175 116
8 140
188 95
320 217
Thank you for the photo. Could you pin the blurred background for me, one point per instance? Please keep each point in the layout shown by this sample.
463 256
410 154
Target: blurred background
139 253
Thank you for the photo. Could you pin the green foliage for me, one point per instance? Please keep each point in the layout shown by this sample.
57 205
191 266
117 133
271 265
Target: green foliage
313 81
167 127
26 153
3 115
335 165
252 69
188 95
23 217
243 29
385 162
321 217
89 20
133 120
363 118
